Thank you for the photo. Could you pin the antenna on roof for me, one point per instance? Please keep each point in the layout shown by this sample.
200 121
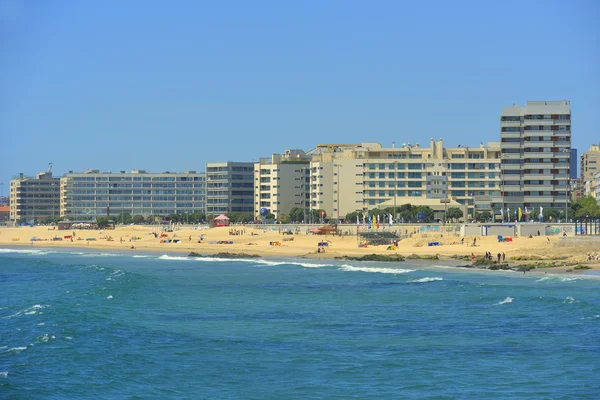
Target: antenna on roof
49 168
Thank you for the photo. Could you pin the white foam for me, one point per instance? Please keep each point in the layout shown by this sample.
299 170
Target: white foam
138 256
29 311
109 297
16 350
3 374
554 277
68 337
351 268
41 324
426 279
570 300
46 338
22 251
506 300
174 258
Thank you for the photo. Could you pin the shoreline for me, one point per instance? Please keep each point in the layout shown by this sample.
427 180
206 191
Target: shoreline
270 244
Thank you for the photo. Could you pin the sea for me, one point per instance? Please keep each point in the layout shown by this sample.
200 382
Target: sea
97 325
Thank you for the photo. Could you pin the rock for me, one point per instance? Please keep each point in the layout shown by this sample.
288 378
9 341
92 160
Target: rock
375 257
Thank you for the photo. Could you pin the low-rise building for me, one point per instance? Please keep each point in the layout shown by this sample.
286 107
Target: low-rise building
91 194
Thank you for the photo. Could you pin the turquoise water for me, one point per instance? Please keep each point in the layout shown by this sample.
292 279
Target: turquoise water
115 326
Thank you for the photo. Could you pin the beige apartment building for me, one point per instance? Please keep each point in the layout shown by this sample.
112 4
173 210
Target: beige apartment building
589 168
281 183
367 176
343 178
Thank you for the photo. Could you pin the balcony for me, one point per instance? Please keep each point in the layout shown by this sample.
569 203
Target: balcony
537 165
538 199
511 145
510 134
536 187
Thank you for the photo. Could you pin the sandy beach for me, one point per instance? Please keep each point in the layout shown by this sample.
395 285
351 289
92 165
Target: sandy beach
564 252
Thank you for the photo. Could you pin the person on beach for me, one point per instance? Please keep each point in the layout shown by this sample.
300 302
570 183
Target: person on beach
462 241
499 256
503 256
473 258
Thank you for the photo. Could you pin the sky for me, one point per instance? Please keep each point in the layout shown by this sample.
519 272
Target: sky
169 86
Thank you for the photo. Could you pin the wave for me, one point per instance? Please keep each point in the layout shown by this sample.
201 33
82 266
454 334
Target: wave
109 297
506 300
3 374
247 260
569 300
559 278
16 350
351 268
139 256
100 255
45 338
29 311
174 258
23 251
426 279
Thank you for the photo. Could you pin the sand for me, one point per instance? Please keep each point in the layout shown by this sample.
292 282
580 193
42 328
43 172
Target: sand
272 244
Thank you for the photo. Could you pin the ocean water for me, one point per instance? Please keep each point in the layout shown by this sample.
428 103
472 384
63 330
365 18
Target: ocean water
85 324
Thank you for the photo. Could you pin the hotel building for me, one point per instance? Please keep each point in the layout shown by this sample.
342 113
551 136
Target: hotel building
344 178
91 194
33 199
229 188
536 151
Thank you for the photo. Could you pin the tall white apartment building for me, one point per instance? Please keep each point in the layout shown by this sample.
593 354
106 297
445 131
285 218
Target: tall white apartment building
281 183
91 194
536 151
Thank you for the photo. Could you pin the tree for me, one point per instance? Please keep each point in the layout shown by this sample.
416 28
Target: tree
351 217
585 207
454 213
296 214
238 217
102 222
123 218
483 216
138 219
426 212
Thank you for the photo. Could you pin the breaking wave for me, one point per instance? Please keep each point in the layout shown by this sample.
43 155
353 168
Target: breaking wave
426 279
351 268
506 300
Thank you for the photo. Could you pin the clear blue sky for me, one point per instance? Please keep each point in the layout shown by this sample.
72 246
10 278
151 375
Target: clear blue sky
118 85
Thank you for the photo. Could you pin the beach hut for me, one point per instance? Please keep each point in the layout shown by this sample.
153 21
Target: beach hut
221 220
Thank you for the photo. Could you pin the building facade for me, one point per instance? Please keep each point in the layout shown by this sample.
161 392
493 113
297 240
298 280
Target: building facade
33 199
589 167
229 188
92 194
281 183
366 176
536 151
